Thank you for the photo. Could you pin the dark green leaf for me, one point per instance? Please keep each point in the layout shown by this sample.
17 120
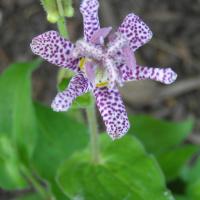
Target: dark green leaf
125 171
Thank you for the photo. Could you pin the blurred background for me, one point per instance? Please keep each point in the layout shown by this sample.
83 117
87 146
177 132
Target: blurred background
176 44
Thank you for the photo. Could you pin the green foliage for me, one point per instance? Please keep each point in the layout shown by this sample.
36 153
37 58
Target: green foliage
10 176
163 139
191 174
31 197
173 160
158 135
17 123
125 171
59 136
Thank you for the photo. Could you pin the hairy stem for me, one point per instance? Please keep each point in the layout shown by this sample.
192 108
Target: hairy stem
94 136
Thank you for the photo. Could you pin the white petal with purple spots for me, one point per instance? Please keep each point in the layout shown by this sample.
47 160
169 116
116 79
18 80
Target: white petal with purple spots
112 111
136 31
55 50
77 86
163 75
89 10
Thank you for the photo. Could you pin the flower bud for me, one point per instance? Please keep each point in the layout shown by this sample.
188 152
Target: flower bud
68 8
51 9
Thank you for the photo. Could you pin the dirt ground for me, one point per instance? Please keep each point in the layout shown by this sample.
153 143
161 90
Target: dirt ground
176 43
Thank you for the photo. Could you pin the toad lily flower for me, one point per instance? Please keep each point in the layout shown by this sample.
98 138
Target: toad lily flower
102 61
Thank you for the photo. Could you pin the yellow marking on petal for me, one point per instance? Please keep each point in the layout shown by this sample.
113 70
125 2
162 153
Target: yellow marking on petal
82 63
103 84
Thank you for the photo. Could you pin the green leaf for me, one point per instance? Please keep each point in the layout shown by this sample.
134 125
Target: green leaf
17 123
17 119
178 197
59 137
158 135
191 173
10 177
193 190
173 160
125 171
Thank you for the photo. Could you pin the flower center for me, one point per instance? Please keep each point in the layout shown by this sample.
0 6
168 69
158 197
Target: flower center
100 61
96 73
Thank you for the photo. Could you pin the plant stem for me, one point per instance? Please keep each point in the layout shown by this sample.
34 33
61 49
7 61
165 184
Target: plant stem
62 22
92 122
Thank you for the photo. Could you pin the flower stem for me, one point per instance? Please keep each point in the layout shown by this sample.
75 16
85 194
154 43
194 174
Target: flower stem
61 21
94 136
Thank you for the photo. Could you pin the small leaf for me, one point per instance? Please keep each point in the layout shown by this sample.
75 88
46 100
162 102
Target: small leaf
125 171
158 135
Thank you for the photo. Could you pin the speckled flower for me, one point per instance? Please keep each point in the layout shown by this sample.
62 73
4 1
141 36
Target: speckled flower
102 61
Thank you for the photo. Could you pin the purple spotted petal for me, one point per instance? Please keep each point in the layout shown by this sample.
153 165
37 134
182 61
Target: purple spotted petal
112 111
77 86
126 73
136 31
163 75
54 49
99 35
89 10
